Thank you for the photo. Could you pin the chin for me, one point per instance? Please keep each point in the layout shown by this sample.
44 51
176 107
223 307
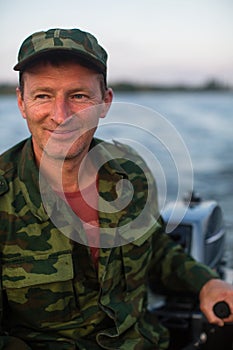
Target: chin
64 154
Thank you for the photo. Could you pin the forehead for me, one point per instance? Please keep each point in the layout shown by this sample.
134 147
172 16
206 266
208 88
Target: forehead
68 76
65 74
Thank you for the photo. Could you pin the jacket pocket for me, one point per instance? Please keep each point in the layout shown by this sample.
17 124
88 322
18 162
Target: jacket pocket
31 271
39 290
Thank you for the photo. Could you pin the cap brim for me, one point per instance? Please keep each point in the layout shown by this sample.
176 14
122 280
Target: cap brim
96 64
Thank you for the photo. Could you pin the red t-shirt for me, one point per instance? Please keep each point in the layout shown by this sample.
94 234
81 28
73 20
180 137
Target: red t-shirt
84 204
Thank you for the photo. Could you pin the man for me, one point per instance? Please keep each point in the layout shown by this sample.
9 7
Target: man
75 271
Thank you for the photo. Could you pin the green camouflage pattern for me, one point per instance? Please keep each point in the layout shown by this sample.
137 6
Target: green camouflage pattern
52 297
73 41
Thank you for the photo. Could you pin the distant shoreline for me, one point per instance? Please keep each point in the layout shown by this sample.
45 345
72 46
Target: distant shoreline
9 89
137 87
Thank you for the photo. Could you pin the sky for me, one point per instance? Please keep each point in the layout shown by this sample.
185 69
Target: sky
148 41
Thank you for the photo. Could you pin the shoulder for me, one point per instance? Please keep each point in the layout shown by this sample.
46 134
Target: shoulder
117 147
9 161
123 155
126 161
12 154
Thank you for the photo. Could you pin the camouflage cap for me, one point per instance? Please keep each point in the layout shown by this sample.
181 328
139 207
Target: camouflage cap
73 41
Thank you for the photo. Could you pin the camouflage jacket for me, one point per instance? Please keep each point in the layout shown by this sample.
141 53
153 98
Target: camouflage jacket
52 297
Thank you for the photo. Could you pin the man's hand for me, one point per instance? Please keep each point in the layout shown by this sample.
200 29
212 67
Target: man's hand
212 292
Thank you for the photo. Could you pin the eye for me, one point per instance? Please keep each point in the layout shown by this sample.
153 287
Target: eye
42 96
78 96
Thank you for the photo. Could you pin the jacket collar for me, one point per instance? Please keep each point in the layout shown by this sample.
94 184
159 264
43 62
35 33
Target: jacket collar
33 190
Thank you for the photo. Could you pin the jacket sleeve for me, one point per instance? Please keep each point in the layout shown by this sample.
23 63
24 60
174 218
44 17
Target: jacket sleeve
173 270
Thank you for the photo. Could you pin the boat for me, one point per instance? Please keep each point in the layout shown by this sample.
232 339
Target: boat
198 226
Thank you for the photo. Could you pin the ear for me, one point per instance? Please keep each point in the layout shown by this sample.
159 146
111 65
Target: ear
107 102
20 101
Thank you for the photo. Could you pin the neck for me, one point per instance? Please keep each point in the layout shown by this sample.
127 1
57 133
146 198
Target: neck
68 175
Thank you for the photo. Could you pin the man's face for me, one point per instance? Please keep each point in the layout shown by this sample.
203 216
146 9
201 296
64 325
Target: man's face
62 104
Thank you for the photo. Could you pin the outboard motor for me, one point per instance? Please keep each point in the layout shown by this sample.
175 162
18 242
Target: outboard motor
201 233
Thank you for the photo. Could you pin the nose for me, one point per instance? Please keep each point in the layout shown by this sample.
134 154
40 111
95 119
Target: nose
60 110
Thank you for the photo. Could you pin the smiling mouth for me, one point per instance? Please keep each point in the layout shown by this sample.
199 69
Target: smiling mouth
66 134
62 131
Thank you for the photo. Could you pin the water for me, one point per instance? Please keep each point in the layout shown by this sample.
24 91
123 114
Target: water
204 122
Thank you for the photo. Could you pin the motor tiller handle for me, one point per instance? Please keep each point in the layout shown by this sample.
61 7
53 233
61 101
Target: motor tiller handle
222 309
